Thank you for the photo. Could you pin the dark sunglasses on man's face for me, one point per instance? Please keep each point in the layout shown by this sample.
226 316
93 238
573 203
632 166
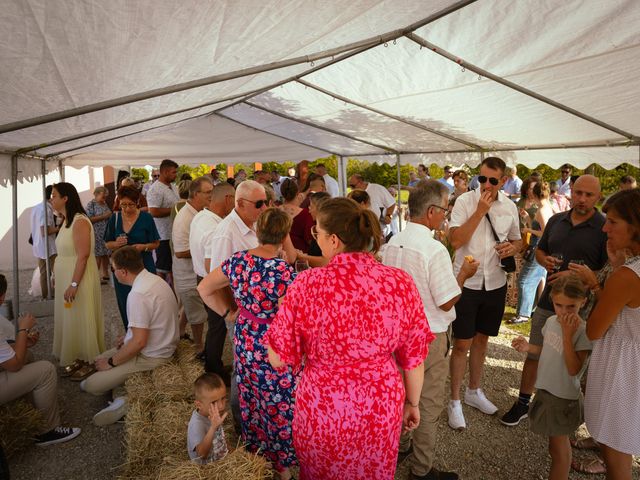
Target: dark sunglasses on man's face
493 181
258 204
566 171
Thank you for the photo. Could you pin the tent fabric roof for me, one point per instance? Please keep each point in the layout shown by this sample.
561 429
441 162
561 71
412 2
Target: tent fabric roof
536 82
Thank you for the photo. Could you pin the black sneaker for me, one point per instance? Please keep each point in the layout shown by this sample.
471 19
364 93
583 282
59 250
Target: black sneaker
435 475
57 435
514 416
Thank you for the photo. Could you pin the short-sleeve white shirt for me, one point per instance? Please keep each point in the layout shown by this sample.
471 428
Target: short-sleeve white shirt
151 304
37 221
380 198
415 251
162 196
333 188
504 217
183 267
6 352
203 226
564 188
231 236
7 329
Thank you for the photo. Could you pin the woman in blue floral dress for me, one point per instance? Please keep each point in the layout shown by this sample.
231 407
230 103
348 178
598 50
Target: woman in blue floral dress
258 279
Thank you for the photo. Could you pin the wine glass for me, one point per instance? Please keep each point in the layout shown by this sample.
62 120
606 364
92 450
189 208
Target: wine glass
559 260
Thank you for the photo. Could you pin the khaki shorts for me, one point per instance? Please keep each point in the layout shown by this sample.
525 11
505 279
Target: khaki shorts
553 416
193 306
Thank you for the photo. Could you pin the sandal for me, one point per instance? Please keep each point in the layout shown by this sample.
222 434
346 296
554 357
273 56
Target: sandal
83 372
71 368
590 466
587 443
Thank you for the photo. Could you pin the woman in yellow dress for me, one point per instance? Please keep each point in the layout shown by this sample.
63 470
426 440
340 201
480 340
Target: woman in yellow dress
78 323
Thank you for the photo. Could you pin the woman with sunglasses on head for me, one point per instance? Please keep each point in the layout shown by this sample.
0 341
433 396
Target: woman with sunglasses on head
78 323
259 280
133 227
351 323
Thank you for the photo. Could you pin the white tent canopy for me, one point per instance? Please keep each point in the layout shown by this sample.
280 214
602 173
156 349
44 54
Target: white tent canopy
440 81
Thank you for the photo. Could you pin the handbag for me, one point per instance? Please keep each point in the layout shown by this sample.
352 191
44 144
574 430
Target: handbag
508 264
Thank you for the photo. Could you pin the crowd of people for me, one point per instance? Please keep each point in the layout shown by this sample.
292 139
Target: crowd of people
345 327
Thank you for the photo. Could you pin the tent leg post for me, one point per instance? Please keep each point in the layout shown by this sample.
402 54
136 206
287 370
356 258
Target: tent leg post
61 170
398 193
46 227
342 175
16 274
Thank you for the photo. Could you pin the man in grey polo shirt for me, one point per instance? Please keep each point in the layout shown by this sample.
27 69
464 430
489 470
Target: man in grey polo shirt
574 235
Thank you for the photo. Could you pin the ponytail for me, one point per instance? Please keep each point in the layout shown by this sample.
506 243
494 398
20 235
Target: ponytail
358 228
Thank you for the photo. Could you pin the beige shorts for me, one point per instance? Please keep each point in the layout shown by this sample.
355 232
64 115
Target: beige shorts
553 416
193 306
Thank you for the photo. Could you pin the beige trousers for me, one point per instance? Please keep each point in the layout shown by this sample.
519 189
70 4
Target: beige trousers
102 382
39 379
42 266
436 369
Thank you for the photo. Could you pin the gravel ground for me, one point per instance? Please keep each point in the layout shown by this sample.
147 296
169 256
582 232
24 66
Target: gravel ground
485 450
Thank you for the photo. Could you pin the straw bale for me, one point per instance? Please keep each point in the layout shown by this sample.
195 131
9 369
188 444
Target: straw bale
238 465
140 387
185 352
170 422
191 370
19 422
170 382
138 432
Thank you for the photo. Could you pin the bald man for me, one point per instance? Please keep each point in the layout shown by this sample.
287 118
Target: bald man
576 235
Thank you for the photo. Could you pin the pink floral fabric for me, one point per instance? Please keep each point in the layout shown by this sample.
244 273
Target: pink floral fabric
347 322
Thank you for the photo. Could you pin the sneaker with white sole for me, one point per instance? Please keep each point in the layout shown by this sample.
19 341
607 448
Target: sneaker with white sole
57 435
111 414
478 400
456 417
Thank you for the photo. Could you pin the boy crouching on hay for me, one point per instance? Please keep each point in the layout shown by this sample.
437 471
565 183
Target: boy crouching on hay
205 437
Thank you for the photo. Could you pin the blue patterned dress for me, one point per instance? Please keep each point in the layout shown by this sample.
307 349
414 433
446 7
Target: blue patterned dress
266 395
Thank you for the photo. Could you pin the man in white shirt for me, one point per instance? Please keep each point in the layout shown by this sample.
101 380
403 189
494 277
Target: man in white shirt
151 338
481 307
382 203
161 198
512 186
184 276
39 238
564 182
235 233
155 174
415 251
330 183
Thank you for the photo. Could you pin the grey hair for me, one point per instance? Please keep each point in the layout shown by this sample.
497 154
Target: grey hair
196 185
425 194
248 187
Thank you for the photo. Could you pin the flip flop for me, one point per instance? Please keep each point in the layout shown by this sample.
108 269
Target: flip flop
590 466
71 368
587 443
83 372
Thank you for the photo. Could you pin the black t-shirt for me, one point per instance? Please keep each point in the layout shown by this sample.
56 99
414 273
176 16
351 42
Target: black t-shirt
314 249
585 241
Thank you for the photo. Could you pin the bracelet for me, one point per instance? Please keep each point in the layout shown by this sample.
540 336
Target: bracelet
23 330
407 402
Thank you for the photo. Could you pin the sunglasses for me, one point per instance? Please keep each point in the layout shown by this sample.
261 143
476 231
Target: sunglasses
493 181
438 206
258 204
566 171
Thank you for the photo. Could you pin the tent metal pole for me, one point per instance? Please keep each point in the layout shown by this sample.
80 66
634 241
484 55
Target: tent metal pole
342 175
474 68
389 115
320 127
61 169
16 265
45 226
377 40
398 193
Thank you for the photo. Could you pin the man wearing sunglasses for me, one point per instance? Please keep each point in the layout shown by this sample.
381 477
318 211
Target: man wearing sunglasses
564 182
481 306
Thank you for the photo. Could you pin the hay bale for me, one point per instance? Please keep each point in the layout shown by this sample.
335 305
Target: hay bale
170 383
191 371
140 387
170 422
19 422
238 465
185 352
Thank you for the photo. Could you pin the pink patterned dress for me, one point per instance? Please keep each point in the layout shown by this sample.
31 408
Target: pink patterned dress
347 321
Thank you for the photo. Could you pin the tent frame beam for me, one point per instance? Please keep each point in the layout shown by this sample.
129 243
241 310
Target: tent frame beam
202 82
514 86
472 146
320 127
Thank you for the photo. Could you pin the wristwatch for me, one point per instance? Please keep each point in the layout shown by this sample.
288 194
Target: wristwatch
74 284
110 362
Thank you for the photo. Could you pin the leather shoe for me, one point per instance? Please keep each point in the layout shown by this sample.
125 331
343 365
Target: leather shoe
435 474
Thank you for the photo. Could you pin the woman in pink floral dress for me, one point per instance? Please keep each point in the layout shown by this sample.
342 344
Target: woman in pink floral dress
352 323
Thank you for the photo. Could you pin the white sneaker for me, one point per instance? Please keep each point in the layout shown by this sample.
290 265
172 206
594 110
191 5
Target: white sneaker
456 417
111 414
478 400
